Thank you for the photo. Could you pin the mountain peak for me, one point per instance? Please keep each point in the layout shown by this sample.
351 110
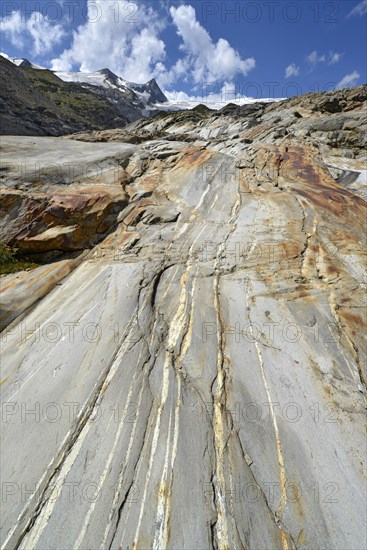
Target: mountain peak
108 73
151 88
156 94
21 62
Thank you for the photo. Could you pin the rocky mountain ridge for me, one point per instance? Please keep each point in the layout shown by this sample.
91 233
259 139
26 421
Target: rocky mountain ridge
37 101
203 309
142 97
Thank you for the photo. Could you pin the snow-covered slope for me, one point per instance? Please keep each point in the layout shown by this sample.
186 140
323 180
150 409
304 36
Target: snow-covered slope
148 93
139 99
132 99
95 79
213 103
22 62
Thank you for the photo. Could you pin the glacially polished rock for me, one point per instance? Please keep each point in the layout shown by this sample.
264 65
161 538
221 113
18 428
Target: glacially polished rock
198 379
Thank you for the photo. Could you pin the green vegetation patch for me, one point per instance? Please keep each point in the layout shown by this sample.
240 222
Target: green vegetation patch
9 263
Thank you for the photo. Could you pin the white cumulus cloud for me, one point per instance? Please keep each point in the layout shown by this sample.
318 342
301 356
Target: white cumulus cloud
348 80
130 44
291 70
207 60
42 33
113 37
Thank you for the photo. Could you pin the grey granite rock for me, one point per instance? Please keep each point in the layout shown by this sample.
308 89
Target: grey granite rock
198 380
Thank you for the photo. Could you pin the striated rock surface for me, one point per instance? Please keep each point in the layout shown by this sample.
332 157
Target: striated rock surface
198 379
20 291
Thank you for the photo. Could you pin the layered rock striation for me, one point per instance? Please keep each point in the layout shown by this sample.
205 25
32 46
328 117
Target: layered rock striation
196 368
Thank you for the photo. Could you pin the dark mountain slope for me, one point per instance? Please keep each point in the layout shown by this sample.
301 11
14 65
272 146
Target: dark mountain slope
38 103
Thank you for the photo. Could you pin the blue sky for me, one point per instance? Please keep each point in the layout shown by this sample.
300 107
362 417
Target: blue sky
261 48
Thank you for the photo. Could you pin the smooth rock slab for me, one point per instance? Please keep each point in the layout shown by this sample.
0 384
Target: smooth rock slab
198 381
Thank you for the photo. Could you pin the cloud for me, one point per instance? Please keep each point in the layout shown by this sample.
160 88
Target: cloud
127 43
334 57
130 44
42 33
180 70
291 70
348 80
146 51
360 9
314 58
207 61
